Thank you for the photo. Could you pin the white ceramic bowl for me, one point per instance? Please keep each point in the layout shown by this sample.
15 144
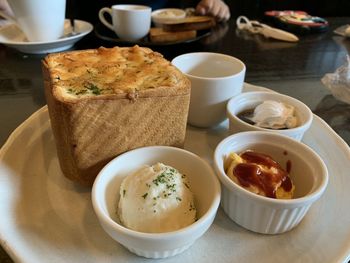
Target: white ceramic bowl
249 100
164 15
268 215
204 185
215 79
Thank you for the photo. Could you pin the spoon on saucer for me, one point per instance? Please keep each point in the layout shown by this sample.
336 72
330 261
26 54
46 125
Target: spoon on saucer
8 17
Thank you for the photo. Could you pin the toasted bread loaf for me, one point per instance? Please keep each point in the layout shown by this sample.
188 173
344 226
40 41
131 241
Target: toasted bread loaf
190 23
104 102
158 35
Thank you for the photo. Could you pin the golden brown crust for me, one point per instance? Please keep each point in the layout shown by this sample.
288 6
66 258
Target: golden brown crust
124 70
91 130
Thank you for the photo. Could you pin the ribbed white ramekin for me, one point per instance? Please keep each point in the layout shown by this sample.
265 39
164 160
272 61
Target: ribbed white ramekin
268 215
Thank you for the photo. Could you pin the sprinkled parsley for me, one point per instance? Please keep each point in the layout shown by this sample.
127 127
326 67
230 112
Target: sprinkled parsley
80 92
93 88
166 177
145 195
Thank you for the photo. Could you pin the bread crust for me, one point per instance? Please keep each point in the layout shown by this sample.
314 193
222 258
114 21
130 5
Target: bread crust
90 131
158 35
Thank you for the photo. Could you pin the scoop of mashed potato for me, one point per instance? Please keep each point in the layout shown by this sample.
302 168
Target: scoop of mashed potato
259 174
156 199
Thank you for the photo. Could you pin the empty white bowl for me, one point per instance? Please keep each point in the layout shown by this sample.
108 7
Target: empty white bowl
215 79
164 15
263 214
249 100
204 185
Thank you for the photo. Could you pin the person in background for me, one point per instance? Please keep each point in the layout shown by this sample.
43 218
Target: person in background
215 8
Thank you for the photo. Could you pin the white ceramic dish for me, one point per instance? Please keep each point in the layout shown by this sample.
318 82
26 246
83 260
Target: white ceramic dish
215 79
204 185
161 16
45 218
268 215
249 100
12 36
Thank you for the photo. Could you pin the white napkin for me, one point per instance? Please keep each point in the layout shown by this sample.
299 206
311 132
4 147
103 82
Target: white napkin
339 82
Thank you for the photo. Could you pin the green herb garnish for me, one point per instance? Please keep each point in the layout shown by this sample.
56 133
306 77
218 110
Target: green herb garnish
80 92
93 88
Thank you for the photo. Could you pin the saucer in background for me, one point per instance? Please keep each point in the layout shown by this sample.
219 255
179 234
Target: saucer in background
12 36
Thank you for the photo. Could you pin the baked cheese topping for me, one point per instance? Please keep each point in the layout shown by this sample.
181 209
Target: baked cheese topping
111 71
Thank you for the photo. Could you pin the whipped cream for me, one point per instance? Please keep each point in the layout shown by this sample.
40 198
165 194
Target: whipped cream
156 199
274 115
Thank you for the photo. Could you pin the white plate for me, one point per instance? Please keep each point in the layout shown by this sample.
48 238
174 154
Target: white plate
45 218
12 36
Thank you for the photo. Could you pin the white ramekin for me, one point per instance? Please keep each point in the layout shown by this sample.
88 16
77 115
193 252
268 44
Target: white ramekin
249 100
268 215
204 185
215 79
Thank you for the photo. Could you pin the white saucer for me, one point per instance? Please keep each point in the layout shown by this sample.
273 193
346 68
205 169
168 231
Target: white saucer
47 218
12 36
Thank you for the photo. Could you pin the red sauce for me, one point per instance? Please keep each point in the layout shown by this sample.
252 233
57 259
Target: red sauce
289 166
287 184
250 173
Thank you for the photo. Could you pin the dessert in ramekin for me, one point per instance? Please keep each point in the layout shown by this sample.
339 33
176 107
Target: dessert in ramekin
277 106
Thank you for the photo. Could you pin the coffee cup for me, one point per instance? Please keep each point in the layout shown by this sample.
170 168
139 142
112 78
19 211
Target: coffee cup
129 22
40 20
215 78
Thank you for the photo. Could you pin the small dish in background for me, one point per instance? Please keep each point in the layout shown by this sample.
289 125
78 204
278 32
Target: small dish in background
249 100
263 214
12 36
203 184
165 15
